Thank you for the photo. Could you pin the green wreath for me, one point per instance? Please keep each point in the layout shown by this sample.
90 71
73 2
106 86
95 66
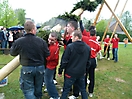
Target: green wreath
85 5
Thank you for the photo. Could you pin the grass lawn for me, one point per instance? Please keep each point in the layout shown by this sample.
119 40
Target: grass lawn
112 80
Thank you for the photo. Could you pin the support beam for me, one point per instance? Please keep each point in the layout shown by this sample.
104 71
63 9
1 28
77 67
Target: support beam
124 29
108 24
97 16
116 26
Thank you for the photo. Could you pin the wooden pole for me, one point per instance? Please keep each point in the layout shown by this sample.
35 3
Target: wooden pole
109 23
124 29
97 16
11 66
115 27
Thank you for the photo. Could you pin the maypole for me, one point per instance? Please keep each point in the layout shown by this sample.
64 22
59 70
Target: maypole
97 16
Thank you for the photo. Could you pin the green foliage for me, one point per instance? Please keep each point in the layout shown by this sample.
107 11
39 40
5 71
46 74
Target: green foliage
69 17
127 21
87 5
7 15
20 13
44 34
101 25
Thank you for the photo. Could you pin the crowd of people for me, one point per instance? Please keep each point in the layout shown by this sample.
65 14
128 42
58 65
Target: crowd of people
39 60
7 37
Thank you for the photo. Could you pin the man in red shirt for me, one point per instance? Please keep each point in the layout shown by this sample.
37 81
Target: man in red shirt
114 42
106 43
52 62
95 48
84 32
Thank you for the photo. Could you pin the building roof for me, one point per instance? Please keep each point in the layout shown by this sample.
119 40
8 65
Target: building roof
119 30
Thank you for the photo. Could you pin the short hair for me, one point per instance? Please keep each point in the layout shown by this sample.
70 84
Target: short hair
28 26
73 24
78 34
54 34
91 27
92 32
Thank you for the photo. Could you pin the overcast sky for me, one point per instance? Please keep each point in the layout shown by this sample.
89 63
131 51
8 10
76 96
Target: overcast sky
43 10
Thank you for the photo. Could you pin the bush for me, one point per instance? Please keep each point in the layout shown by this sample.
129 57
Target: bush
44 34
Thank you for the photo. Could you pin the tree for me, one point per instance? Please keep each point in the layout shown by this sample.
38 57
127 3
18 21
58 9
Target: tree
127 21
20 14
87 23
7 15
101 25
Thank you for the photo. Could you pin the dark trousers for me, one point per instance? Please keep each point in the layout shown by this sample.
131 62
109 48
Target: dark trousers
75 89
108 51
68 82
10 43
54 76
91 73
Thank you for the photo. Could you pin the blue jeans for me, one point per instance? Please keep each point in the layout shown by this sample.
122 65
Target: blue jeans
48 79
31 79
115 54
4 44
68 82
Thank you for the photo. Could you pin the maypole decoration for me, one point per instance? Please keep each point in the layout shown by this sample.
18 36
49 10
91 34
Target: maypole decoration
79 8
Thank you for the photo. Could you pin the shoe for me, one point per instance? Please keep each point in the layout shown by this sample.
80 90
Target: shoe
61 90
112 59
43 84
101 57
88 81
45 90
55 82
79 93
91 95
72 97
108 59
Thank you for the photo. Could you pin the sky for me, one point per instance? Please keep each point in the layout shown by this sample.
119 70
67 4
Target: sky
43 10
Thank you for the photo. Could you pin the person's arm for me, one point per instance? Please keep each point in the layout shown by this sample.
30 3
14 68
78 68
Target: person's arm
89 62
81 26
64 60
46 49
15 49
